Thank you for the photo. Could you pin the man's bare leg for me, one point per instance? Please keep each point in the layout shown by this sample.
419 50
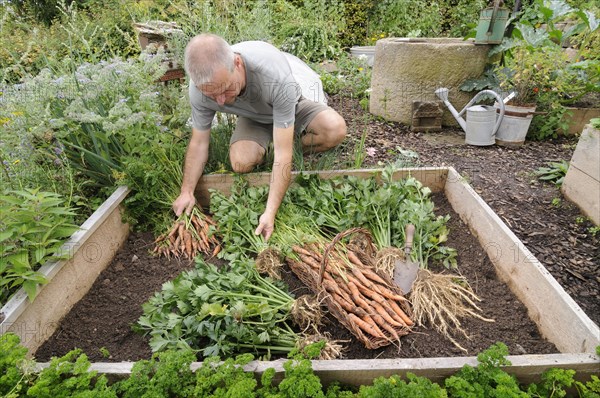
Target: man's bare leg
245 155
324 132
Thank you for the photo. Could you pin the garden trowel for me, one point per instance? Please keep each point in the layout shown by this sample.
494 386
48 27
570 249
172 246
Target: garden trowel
405 271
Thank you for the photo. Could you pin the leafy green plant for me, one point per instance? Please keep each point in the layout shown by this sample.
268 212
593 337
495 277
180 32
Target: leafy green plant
69 376
165 374
14 376
33 227
352 79
398 18
487 379
97 114
311 32
394 386
220 311
168 374
556 202
534 66
554 172
338 204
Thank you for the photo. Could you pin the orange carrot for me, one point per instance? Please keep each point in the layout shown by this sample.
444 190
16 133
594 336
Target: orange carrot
342 302
331 287
372 275
385 292
338 291
357 298
356 272
384 314
188 243
370 293
209 220
174 229
367 318
365 326
400 313
310 261
386 326
354 259
301 250
177 242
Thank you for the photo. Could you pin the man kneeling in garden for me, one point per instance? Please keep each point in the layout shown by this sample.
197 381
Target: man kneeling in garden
275 96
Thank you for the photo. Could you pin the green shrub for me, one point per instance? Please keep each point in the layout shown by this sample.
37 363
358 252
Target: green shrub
13 379
33 227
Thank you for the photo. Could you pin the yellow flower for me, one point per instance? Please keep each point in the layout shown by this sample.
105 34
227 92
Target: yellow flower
360 69
17 161
382 35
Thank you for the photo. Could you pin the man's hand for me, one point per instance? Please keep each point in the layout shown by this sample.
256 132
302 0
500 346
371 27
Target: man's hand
266 225
185 202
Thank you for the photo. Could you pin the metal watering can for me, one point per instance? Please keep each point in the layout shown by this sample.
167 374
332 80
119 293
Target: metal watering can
482 120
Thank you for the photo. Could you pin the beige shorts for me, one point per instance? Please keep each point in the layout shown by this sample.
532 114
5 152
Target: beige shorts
249 130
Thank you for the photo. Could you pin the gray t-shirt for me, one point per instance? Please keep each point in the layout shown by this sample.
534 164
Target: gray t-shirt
275 81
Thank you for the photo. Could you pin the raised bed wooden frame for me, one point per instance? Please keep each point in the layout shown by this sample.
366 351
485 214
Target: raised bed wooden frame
558 317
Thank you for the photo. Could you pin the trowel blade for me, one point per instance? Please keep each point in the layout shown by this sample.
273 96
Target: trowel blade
405 273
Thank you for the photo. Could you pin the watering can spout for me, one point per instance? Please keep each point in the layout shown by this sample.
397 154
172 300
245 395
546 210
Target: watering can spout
442 94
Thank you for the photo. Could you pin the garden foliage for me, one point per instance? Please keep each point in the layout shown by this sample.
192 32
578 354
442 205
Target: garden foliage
33 226
330 206
168 374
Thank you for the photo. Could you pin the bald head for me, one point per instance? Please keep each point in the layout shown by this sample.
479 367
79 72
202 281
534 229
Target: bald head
205 54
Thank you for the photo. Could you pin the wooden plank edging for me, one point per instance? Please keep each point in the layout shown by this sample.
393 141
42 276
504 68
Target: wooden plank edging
432 177
558 316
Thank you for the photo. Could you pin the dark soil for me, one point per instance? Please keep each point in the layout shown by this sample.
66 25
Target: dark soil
553 229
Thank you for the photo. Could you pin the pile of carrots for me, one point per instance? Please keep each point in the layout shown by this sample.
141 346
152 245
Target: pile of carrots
189 236
367 304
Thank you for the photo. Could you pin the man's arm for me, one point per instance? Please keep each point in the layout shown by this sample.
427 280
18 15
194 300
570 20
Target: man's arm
196 158
283 143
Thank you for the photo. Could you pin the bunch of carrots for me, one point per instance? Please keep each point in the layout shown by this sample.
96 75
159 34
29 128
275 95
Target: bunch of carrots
369 305
190 235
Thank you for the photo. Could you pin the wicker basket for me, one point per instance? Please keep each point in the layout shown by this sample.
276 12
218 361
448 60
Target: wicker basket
313 280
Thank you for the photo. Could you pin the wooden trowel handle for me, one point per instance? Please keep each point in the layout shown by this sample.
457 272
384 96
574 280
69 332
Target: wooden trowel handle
409 232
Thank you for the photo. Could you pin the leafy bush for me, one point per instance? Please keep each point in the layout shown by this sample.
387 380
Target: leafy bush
69 376
424 19
99 31
351 79
96 115
33 227
13 377
357 15
312 32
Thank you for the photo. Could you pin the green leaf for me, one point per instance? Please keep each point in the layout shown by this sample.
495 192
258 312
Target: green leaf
6 235
19 259
39 254
30 288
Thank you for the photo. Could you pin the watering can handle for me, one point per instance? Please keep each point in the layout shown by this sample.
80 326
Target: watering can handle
494 13
498 99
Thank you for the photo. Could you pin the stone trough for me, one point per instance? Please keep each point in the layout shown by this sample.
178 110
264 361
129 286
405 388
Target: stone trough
408 70
559 319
